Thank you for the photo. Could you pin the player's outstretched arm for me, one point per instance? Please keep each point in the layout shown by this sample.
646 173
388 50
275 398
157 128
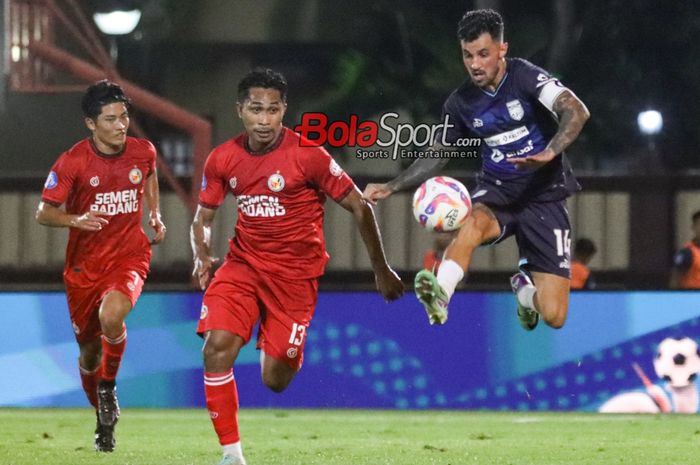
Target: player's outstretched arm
200 239
49 215
152 195
419 171
572 114
388 282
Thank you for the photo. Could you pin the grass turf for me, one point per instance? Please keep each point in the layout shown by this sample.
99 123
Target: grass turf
352 437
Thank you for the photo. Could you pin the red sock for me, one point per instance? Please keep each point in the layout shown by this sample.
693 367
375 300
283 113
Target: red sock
222 403
90 380
112 353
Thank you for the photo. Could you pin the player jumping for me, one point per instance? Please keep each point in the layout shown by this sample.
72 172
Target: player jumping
525 119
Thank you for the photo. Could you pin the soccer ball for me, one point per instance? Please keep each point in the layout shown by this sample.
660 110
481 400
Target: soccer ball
677 361
441 204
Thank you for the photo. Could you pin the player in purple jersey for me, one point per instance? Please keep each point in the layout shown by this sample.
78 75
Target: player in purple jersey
525 119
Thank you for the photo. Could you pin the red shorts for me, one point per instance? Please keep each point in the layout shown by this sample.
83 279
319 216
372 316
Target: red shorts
238 297
84 299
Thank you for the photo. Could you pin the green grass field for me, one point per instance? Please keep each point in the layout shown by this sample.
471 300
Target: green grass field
352 437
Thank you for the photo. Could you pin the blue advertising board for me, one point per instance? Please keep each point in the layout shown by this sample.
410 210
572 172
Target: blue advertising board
363 353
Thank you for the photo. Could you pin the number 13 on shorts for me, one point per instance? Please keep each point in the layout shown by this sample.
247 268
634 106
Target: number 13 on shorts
297 335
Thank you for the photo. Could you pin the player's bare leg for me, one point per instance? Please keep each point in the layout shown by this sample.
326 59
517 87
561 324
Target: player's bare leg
113 310
435 292
220 351
276 375
546 295
552 298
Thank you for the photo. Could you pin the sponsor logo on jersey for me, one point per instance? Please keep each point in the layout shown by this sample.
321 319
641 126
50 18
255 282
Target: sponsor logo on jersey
477 123
497 155
233 182
542 77
204 312
507 137
51 180
565 264
275 182
116 203
265 206
135 176
292 352
95 181
515 110
335 168
479 193
204 183
76 328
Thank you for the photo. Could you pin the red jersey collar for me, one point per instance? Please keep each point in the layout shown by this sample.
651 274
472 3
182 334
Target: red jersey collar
102 154
277 143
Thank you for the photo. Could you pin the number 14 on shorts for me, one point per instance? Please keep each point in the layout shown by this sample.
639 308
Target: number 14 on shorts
563 241
297 335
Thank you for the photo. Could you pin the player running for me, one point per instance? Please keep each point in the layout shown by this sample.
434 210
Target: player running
277 254
525 119
102 181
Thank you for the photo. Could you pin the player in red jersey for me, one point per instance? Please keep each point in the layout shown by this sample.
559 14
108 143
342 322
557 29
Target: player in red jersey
102 180
277 254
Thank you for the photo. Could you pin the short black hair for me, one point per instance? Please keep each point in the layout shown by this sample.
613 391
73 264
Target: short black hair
585 248
265 78
476 22
100 94
696 216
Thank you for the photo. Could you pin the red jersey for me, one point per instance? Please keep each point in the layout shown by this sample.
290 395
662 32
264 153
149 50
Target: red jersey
84 180
579 274
280 198
691 278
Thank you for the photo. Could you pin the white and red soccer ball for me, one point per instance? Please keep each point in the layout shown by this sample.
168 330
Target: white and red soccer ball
441 204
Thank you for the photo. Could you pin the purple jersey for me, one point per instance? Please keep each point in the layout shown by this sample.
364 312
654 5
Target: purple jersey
515 121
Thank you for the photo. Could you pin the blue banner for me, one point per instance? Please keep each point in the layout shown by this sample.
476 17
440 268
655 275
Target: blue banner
364 353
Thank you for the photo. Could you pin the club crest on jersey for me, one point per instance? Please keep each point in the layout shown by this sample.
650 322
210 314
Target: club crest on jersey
275 182
335 168
477 123
515 110
95 181
51 180
135 176
233 182
292 352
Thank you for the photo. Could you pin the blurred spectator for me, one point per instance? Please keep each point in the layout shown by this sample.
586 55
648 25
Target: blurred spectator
686 262
584 250
433 257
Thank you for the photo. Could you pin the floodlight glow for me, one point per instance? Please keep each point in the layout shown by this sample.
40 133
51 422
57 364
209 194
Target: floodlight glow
650 122
117 23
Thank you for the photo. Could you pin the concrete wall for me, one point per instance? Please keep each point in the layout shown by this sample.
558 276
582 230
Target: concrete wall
602 217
